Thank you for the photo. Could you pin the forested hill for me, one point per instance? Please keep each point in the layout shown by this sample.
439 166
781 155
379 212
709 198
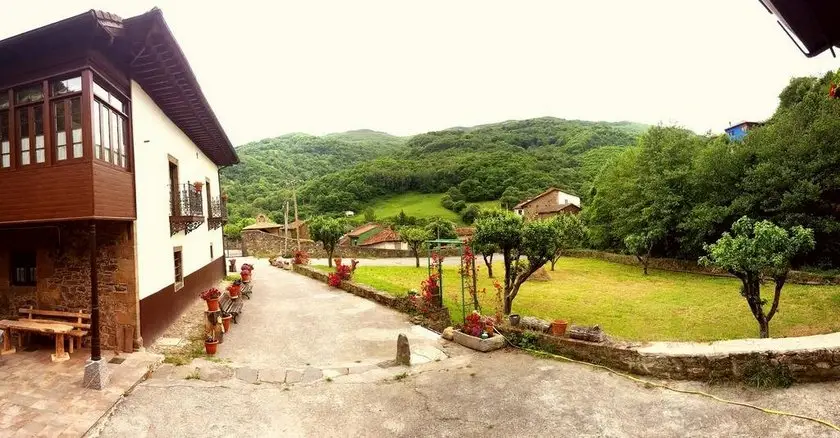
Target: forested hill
346 171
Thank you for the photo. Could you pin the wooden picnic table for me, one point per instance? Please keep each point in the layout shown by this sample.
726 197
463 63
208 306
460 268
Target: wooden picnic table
58 329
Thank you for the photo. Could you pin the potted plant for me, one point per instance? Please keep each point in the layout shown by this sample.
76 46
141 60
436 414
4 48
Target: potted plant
210 345
558 327
478 333
515 319
235 289
198 185
211 296
245 274
226 317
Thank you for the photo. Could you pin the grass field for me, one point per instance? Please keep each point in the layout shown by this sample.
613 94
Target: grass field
424 205
660 306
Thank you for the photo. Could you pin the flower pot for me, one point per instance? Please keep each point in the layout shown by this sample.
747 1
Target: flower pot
213 305
226 322
234 291
558 327
210 347
198 185
515 319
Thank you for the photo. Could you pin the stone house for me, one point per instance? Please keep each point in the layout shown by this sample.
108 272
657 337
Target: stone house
296 229
109 175
547 204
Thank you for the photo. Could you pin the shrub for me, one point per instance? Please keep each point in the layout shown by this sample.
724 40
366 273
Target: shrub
342 272
459 206
764 375
301 258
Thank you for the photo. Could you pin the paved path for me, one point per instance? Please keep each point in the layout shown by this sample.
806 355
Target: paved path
505 393
293 321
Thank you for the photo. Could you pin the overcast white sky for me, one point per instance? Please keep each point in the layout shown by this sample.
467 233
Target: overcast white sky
272 67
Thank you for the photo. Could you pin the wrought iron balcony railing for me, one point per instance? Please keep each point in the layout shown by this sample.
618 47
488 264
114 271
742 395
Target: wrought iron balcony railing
218 213
186 208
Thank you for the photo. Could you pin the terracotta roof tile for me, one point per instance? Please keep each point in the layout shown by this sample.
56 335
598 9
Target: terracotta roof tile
386 235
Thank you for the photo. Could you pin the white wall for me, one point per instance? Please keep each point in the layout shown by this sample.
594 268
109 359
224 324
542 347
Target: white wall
565 198
155 139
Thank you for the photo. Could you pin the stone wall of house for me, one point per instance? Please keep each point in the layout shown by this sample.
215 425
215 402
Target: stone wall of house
259 244
63 275
676 265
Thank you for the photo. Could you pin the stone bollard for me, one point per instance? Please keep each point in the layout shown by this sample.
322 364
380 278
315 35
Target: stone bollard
403 350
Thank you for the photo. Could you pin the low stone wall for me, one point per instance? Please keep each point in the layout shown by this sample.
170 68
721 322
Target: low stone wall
677 265
399 303
260 244
805 365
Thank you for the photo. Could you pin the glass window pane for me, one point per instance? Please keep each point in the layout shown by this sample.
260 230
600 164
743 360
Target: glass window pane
97 126
59 129
32 93
4 99
7 161
76 125
72 85
100 92
4 126
114 138
40 156
23 135
116 103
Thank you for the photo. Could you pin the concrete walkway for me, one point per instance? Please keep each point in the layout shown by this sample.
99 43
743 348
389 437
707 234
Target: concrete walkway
294 321
738 346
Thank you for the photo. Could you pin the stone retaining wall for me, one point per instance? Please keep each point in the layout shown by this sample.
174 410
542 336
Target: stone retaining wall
260 244
677 265
805 365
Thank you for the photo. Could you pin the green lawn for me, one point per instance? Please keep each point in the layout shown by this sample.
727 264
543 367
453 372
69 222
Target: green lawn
660 306
426 205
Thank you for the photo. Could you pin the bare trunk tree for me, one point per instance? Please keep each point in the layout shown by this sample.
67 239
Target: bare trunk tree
751 290
489 263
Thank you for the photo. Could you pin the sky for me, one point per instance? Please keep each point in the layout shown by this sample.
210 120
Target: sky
407 67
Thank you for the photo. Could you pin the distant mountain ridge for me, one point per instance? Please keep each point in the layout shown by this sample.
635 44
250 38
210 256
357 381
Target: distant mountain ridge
348 170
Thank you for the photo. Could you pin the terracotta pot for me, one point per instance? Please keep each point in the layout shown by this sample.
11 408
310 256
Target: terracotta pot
210 347
213 305
558 327
234 291
226 322
198 185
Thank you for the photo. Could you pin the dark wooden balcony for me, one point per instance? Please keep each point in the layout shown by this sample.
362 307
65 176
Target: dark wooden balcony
186 208
218 213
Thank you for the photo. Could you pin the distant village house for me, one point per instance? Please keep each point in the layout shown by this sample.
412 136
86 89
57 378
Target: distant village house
547 204
296 229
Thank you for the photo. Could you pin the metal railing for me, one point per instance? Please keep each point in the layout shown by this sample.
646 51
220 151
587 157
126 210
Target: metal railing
185 200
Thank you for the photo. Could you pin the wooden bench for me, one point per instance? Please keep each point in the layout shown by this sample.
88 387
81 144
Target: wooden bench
246 290
231 306
79 320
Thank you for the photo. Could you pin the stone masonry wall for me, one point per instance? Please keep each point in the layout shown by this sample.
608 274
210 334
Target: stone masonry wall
260 244
63 275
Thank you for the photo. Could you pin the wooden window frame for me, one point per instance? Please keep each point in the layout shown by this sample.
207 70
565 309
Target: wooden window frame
32 276
124 115
66 100
46 126
178 255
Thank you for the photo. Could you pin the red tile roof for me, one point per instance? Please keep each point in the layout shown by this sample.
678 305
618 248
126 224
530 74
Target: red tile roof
386 235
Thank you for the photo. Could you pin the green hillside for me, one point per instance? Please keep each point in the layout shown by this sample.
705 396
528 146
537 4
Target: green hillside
352 170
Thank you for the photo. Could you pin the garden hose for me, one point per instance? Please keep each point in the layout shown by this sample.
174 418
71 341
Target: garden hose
683 391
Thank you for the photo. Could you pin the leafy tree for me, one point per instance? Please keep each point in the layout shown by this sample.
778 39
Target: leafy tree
570 234
458 206
415 237
455 194
510 197
328 231
754 251
441 229
641 245
447 202
525 247
370 215
470 214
